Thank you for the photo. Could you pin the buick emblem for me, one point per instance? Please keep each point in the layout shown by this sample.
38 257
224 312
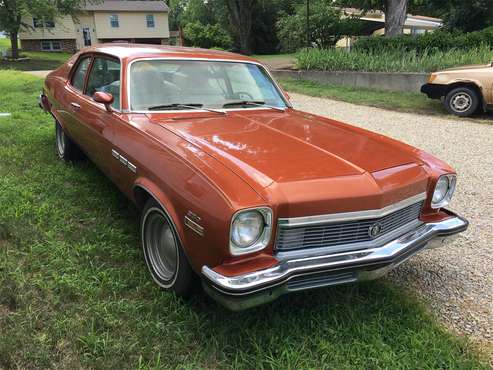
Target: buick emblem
374 230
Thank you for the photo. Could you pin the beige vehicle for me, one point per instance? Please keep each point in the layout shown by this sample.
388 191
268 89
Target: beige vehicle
464 90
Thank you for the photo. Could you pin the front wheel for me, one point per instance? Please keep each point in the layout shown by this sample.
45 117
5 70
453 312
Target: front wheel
462 101
164 255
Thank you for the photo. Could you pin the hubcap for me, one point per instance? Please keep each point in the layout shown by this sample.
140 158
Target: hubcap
60 140
161 245
461 102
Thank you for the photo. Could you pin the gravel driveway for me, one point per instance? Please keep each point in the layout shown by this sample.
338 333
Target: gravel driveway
456 281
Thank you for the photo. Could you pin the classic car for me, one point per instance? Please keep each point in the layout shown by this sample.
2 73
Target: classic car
240 192
464 90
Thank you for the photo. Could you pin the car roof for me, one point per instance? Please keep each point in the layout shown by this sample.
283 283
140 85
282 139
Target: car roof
136 51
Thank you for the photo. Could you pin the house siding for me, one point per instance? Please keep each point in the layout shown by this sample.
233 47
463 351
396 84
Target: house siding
132 25
64 29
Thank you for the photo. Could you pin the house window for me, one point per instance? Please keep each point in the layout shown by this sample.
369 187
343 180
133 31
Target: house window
150 20
46 45
49 23
38 22
46 23
51 45
114 21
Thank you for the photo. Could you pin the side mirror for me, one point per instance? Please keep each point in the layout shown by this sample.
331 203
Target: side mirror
104 98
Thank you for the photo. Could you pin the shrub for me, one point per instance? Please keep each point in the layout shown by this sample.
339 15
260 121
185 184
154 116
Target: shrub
207 36
437 40
390 60
326 26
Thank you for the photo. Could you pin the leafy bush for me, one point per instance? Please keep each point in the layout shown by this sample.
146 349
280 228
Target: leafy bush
326 26
207 36
438 40
390 60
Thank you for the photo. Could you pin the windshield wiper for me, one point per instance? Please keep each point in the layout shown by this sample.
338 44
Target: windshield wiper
256 103
195 106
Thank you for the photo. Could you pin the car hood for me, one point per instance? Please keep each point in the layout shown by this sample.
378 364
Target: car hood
468 68
266 147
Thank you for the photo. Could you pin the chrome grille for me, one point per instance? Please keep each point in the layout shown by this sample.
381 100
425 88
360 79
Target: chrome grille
343 233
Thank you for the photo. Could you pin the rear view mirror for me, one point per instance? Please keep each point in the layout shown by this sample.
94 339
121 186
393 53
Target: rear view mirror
104 98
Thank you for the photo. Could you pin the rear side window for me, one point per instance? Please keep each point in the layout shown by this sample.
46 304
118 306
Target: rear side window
105 77
80 73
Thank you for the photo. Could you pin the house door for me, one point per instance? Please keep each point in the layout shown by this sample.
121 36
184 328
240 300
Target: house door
86 33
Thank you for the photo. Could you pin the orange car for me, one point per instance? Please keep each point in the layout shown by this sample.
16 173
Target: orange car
463 90
239 191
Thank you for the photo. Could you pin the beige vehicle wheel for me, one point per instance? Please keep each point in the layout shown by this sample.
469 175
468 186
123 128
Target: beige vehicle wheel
462 101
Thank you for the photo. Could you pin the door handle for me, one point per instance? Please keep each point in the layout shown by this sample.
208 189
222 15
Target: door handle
75 106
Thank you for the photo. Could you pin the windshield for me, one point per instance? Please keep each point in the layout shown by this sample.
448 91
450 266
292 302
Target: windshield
167 84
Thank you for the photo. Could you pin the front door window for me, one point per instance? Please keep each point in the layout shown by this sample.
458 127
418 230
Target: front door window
86 33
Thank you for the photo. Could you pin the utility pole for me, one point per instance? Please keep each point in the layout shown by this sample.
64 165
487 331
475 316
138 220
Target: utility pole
308 40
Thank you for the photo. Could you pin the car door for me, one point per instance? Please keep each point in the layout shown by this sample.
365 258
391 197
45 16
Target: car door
69 99
96 121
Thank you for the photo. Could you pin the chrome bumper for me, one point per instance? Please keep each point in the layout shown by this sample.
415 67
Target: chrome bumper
307 272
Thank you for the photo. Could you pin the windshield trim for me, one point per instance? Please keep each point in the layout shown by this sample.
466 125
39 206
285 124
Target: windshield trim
267 72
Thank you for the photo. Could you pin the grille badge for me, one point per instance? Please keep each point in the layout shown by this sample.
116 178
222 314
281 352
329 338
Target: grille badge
375 230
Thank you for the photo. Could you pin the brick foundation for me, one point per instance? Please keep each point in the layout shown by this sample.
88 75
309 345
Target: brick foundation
35 45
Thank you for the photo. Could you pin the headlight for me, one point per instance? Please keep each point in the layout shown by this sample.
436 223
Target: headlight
444 190
432 78
250 230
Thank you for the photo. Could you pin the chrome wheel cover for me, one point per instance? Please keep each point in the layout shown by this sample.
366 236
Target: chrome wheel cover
461 102
60 140
161 245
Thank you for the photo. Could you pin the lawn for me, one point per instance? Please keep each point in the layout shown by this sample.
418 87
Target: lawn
38 60
75 293
401 101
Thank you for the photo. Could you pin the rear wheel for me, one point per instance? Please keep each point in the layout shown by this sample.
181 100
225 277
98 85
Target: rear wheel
164 255
462 101
66 149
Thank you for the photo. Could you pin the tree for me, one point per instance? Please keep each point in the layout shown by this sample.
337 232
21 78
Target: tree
240 12
395 12
466 16
12 13
207 36
327 26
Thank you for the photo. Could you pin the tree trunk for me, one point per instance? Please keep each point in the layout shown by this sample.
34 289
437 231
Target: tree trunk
240 12
395 17
14 44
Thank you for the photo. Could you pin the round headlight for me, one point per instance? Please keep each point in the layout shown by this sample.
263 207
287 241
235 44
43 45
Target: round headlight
247 227
441 189
444 189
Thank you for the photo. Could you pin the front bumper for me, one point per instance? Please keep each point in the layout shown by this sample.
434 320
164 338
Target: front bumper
307 272
434 91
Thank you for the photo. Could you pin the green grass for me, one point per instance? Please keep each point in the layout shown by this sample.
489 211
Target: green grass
38 60
390 60
74 290
402 101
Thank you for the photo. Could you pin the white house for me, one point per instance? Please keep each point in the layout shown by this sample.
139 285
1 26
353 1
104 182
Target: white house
144 21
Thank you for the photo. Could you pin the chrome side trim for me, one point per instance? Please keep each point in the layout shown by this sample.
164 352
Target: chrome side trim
192 225
251 289
350 216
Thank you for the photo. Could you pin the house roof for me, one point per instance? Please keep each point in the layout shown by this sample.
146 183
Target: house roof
411 20
128 6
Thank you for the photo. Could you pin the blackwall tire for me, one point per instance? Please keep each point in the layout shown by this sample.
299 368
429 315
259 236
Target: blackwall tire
462 101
